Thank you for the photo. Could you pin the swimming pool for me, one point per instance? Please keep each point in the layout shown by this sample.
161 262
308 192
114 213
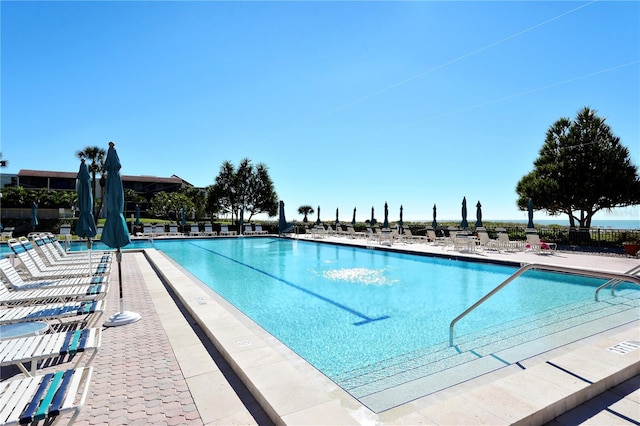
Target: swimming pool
374 321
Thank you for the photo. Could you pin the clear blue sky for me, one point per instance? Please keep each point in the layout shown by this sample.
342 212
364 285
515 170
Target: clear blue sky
349 104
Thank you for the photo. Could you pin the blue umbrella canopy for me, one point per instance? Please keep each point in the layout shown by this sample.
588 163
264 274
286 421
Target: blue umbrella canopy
86 226
115 233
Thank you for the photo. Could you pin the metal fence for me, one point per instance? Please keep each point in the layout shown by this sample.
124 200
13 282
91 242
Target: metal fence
566 236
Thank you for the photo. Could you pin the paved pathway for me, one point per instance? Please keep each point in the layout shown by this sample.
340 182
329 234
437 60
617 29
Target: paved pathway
137 379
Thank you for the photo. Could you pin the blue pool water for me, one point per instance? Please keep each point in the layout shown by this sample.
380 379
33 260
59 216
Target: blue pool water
343 307
367 317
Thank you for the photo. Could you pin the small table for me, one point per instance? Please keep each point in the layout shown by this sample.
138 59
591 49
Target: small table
22 329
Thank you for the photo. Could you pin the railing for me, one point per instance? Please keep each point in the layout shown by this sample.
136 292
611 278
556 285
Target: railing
552 268
614 282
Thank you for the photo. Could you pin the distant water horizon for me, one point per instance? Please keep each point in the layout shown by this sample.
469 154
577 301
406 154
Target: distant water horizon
596 223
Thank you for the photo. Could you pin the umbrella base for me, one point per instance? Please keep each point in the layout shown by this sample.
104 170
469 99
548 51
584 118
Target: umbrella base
122 318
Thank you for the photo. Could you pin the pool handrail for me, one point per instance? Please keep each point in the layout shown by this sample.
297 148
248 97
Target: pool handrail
552 268
614 282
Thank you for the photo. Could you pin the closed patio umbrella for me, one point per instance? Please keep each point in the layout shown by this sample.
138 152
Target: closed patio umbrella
400 222
464 223
373 219
138 223
318 219
86 225
478 215
337 220
530 213
434 223
385 224
283 226
115 233
34 214
353 221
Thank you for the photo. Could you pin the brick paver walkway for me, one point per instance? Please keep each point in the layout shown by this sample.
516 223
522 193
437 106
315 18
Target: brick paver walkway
136 379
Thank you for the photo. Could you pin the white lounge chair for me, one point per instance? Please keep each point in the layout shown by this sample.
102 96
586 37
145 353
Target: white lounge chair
535 244
7 233
44 397
60 253
51 294
434 239
259 230
224 230
506 244
158 230
485 241
351 232
65 230
173 231
13 279
385 236
410 237
37 268
318 231
53 258
147 231
195 230
70 345
208 230
248 230
464 242
87 312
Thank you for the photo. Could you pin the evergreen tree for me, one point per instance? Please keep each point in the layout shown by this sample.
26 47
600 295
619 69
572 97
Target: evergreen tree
582 168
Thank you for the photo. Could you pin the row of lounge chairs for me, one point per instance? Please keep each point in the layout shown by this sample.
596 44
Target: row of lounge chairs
153 231
56 289
457 240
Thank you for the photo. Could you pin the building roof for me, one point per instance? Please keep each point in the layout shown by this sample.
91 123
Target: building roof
69 175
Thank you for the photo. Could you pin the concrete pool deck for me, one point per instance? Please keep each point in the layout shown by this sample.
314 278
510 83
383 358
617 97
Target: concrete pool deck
164 370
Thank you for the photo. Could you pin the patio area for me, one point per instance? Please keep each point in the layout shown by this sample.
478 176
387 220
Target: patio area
193 359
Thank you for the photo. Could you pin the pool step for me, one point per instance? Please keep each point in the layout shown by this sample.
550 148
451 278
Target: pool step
429 370
545 391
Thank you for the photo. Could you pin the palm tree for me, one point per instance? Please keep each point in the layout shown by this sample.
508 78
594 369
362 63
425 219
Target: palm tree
305 210
97 156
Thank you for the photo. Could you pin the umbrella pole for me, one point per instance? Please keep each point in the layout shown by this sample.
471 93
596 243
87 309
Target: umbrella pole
123 317
89 242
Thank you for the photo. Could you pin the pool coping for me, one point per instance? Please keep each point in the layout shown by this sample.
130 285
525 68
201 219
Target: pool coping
293 392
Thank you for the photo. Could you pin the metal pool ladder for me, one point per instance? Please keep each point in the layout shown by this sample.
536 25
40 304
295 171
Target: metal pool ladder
614 280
